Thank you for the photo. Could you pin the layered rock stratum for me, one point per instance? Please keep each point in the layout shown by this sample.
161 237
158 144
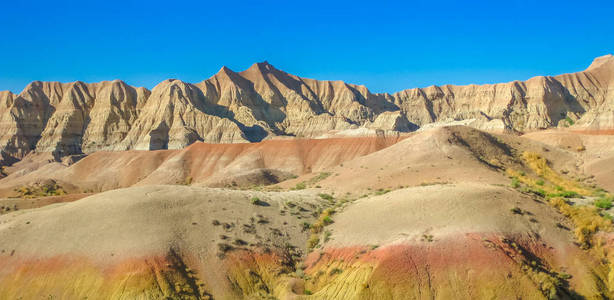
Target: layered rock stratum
263 102
446 213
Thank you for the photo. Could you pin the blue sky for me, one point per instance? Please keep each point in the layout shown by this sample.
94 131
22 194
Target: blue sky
387 46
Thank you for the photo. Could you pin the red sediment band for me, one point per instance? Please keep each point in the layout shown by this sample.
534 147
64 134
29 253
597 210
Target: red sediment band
595 131
475 251
30 266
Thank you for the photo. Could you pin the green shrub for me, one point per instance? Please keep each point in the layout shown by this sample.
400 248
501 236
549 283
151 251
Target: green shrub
326 196
565 194
335 271
564 276
313 241
382 191
538 192
515 183
327 235
540 182
257 201
604 203
569 194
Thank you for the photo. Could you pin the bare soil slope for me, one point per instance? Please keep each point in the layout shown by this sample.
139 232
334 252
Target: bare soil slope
449 241
210 164
593 150
450 212
439 155
147 242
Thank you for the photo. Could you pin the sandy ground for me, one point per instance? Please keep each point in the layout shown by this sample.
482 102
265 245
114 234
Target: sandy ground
148 219
441 192
11 204
444 211
593 151
441 155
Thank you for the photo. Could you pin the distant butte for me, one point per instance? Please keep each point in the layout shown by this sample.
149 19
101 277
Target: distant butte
263 102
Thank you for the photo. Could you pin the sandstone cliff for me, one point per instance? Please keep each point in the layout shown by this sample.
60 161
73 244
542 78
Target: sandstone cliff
540 102
263 102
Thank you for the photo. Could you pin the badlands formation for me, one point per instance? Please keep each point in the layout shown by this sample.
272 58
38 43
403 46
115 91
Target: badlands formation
265 185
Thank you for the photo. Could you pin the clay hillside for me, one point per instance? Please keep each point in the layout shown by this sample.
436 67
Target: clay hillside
265 185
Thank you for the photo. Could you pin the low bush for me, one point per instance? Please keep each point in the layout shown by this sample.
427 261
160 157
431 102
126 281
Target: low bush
382 191
515 183
516 210
257 201
300 186
603 203
326 196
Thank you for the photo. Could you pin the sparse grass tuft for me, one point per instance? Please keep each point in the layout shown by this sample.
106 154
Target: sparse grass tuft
326 196
586 219
300 186
44 190
604 203
313 241
557 189
381 191
317 227
327 235
515 183
516 211
257 201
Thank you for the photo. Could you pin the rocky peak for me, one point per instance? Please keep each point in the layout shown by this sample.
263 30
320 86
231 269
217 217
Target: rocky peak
262 102
607 59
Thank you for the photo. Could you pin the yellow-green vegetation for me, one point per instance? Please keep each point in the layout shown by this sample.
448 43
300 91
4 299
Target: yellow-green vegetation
324 219
317 227
382 191
556 183
44 190
257 201
550 283
326 196
604 202
428 183
556 189
321 176
312 181
300 186
588 220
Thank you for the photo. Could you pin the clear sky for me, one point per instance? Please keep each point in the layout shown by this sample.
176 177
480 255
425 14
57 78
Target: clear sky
387 46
